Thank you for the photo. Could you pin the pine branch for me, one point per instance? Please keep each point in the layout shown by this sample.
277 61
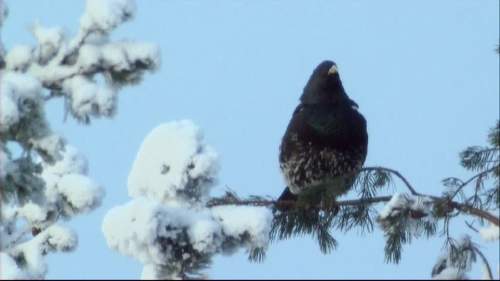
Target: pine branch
403 224
477 158
475 212
292 204
397 174
485 261
469 225
356 202
477 176
368 201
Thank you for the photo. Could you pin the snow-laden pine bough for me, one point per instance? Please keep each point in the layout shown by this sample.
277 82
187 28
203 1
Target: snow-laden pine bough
44 180
174 227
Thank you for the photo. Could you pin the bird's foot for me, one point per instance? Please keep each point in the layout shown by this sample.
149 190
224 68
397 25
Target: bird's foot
329 205
303 205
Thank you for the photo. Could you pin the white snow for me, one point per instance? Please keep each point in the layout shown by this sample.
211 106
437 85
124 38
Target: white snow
21 85
114 55
237 220
88 98
34 259
61 238
89 56
8 267
53 72
449 273
9 113
19 57
421 203
49 40
106 100
414 209
132 229
400 201
52 36
81 192
51 144
106 14
123 55
171 157
172 166
149 272
15 89
490 233
66 179
397 201
53 238
139 51
33 212
82 92
204 233
9 211
119 56
72 161
79 67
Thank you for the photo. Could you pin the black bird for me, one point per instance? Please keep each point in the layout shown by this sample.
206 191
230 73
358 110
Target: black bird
326 142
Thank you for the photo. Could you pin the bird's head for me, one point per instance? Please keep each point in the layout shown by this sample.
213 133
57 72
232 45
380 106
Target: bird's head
324 86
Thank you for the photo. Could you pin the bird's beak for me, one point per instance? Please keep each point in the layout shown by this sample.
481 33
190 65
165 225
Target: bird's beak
332 70
354 105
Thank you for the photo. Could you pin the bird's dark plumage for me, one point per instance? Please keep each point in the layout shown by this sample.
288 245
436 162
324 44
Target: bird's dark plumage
326 141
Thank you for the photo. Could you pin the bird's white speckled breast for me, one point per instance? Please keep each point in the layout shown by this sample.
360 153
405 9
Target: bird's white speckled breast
313 167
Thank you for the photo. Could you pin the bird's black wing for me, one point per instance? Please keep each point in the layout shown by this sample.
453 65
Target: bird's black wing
341 126
322 120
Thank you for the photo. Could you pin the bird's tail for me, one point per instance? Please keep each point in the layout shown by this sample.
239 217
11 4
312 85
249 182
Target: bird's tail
286 196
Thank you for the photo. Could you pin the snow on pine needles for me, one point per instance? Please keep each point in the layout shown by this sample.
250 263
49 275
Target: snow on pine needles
42 178
166 225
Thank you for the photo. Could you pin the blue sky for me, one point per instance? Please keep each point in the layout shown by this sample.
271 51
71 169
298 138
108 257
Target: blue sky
424 74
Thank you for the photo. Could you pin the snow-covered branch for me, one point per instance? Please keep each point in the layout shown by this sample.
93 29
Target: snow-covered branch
87 69
403 216
25 260
366 201
42 178
166 225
